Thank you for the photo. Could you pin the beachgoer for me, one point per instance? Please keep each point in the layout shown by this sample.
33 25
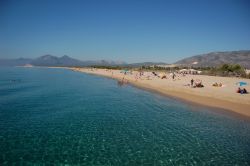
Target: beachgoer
215 84
244 90
238 90
192 82
136 76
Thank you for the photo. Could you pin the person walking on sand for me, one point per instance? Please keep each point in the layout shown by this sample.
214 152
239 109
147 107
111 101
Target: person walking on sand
173 75
192 82
136 76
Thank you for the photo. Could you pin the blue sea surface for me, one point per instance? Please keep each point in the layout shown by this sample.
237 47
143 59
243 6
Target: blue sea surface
60 117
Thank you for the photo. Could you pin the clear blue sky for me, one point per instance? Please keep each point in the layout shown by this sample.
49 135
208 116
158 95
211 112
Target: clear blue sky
127 30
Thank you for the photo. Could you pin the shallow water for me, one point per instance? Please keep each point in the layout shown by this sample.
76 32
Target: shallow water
57 116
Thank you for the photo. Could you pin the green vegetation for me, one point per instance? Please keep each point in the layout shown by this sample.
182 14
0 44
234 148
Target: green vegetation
110 67
158 68
226 70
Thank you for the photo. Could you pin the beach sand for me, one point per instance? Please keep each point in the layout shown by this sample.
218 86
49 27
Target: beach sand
224 97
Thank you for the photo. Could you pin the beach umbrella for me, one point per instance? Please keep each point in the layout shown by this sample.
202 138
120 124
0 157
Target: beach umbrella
241 83
183 71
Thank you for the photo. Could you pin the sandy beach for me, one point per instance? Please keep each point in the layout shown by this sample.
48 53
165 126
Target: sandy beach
224 97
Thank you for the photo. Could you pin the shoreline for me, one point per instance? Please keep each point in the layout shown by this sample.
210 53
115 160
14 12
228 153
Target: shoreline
234 105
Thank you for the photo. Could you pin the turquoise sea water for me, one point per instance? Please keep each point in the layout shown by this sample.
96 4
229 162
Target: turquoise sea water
57 116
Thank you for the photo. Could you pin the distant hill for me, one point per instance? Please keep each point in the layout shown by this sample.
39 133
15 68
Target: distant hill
50 60
218 58
15 62
145 64
204 60
104 63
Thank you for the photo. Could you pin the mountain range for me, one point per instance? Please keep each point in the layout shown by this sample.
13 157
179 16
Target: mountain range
49 60
15 62
204 60
218 58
